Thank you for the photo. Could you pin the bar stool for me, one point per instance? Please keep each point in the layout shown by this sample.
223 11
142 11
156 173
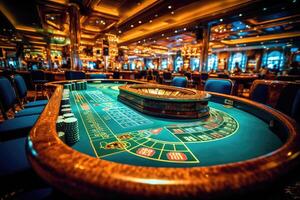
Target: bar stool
74 75
155 75
116 75
38 80
21 90
190 82
167 78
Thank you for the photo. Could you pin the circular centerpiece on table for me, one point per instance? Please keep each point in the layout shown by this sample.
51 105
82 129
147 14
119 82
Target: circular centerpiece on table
165 101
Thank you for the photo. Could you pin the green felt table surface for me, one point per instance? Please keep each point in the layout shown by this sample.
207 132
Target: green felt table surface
113 131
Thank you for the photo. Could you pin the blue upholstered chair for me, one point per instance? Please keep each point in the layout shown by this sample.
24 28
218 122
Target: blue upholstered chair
8 99
13 153
8 96
179 81
96 76
223 86
286 98
295 113
21 90
17 127
38 80
259 93
15 173
74 75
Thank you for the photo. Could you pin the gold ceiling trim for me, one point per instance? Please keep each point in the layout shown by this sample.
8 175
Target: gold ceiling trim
87 36
145 5
64 2
7 47
8 15
34 37
262 38
255 22
182 16
36 42
26 28
33 46
109 10
93 29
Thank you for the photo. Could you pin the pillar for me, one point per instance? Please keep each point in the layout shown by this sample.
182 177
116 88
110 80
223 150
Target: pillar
205 47
74 29
48 56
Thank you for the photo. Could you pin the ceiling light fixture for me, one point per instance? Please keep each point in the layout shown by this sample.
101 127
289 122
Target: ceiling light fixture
172 12
170 7
131 25
140 22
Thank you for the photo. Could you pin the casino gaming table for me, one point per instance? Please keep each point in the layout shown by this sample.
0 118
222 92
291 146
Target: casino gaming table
241 145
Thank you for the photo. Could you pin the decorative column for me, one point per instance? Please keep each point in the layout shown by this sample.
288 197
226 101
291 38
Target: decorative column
48 56
74 36
205 46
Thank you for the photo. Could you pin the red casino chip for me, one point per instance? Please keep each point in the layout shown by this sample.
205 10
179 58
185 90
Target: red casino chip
148 152
156 131
177 156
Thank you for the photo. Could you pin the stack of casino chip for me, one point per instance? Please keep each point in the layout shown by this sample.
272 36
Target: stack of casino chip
68 86
60 128
71 130
78 85
66 93
68 115
82 85
65 101
73 86
65 97
60 124
65 106
61 135
65 111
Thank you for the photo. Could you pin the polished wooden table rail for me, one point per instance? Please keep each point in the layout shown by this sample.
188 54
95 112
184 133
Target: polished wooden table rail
83 176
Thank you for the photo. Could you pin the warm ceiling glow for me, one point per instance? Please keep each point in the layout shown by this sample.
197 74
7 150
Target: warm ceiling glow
26 28
184 15
262 38
129 14
107 10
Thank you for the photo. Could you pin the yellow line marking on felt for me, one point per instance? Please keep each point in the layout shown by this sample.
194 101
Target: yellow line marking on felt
103 122
86 130
161 151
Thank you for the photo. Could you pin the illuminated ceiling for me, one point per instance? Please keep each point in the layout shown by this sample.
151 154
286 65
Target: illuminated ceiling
166 23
